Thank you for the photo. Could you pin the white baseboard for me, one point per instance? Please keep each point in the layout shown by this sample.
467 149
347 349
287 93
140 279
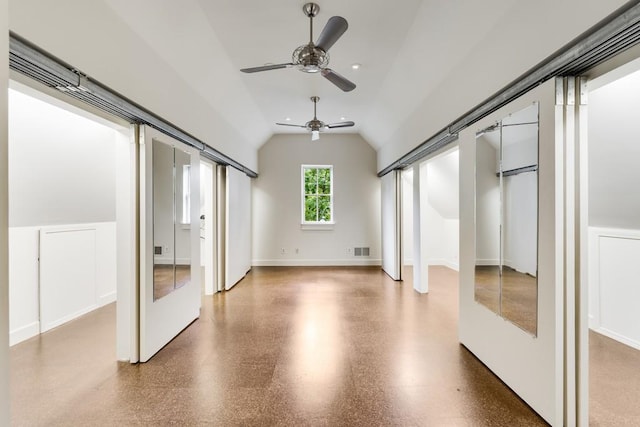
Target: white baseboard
68 318
24 333
315 262
620 338
107 299
445 262
487 262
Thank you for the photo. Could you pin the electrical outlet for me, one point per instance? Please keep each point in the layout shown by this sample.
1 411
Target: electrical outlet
283 251
349 251
297 251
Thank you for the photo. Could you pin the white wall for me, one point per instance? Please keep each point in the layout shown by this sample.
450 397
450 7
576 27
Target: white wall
61 173
407 216
78 186
614 154
520 198
531 366
238 232
614 208
4 223
277 199
441 212
144 69
487 199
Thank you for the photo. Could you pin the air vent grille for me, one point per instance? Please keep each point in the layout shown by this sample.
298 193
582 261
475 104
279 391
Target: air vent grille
362 251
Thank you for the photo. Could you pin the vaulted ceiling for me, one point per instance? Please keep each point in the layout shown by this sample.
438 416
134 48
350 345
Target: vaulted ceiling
424 62
404 53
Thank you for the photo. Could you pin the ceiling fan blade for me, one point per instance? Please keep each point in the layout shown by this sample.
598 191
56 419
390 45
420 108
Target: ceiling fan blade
265 68
340 125
338 80
335 28
289 124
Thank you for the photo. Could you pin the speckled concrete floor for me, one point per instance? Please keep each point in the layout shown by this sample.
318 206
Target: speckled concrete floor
614 382
286 346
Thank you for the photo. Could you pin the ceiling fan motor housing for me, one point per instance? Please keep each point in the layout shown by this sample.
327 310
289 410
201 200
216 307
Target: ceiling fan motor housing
315 124
310 59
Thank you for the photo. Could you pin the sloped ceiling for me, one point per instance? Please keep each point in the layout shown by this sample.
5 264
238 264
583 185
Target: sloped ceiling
423 62
404 52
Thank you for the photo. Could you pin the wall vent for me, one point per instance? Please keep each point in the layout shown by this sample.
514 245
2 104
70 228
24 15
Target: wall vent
157 250
361 251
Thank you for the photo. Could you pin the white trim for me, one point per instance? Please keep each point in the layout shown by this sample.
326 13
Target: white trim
487 262
315 262
620 338
317 226
445 262
68 318
107 299
24 333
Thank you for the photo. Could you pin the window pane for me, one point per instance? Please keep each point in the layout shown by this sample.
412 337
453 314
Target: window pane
311 208
324 208
310 181
324 181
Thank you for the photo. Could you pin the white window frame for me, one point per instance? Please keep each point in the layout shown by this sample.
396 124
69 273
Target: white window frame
316 225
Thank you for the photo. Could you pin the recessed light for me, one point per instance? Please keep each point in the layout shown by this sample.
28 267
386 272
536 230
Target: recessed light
355 66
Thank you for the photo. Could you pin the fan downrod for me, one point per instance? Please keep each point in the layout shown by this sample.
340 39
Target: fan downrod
311 10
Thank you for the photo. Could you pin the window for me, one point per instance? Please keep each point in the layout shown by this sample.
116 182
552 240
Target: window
317 194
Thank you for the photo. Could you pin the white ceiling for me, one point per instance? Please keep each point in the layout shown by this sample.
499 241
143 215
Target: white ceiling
404 51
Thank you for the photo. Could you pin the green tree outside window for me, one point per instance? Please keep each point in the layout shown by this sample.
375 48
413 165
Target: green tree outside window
318 203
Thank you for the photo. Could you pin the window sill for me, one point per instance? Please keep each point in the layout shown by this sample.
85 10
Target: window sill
323 226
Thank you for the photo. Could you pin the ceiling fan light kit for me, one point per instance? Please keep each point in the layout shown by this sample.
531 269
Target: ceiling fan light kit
314 57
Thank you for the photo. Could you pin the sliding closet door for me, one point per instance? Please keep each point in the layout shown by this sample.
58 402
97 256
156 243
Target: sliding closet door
391 224
238 227
516 330
170 285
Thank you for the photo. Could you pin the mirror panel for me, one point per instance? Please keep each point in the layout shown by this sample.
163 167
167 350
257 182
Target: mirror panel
163 220
519 294
507 284
487 270
183 215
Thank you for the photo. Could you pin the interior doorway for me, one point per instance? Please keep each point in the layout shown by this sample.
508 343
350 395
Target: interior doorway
438 210
613 246
65 204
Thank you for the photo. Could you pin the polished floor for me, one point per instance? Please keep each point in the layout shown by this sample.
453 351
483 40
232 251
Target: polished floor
286 346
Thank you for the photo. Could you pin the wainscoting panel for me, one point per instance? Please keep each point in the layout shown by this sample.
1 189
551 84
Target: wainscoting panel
67 275
67 256
614 274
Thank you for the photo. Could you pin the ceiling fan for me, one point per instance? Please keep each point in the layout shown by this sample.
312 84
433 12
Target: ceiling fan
315 125
314 58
